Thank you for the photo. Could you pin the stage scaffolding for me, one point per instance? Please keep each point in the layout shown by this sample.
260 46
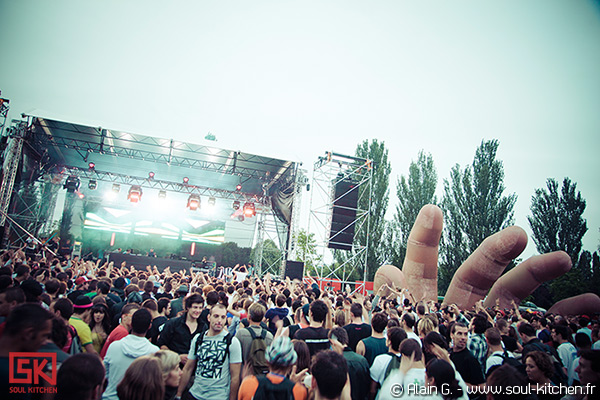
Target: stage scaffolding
51 151
328 171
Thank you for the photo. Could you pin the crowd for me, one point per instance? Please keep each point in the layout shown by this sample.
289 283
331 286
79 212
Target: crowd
127 334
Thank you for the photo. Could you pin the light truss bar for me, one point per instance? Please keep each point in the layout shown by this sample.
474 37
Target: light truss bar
152 149
83 173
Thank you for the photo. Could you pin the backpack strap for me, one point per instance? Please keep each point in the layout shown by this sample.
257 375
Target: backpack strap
252 334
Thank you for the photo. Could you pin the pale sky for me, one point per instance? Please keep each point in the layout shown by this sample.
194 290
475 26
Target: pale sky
293 79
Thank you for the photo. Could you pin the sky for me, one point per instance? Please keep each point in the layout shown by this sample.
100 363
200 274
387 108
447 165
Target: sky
294 79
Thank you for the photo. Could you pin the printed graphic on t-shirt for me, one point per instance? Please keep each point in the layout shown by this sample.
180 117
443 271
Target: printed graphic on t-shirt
211 355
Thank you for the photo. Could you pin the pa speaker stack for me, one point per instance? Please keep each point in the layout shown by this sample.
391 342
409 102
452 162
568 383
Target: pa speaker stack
343 218
294 269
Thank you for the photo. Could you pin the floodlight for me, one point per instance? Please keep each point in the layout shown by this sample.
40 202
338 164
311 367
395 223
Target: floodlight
193 202
135 194
72 184
249 210
92 184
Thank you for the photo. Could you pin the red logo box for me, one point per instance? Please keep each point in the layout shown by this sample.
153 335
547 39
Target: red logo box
32 366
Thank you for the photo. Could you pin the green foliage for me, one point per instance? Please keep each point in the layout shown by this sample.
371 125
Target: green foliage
414 191
474 208
556 219
376 152
557 224
307 251
232 254
271 256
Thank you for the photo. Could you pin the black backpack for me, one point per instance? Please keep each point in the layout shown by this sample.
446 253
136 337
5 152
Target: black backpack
513 362
268 390
559 377
256 356
75 346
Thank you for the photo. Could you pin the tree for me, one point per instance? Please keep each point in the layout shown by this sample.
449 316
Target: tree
557 224
271 256
377 203
307 251
414 191
556 220
474 208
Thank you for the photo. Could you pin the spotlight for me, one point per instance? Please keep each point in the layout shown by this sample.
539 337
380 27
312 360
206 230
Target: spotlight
238 187
241 218
92 184
193 202
92 166
81 195
162 194
150 175
135 194
186 179
236 205
249 210
72 184
211 201
116 188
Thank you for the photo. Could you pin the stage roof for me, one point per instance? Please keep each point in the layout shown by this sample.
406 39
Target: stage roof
64 147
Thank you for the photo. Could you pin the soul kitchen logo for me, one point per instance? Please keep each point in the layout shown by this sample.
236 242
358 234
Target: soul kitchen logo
32 372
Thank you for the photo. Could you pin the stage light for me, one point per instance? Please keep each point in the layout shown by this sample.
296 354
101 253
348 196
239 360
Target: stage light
92 166
236 205
241 218
186 179
162 194
238 187
72 184
211 201
81 195
193 202
150 175
135 194
249 210
116 187
92 184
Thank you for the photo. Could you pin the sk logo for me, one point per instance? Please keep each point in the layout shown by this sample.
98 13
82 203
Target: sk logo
28 368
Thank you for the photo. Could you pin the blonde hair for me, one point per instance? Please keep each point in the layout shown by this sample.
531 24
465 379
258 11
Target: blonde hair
143 380
424 326
169 360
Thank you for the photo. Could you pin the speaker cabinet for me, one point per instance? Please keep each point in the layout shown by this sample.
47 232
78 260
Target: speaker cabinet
343 218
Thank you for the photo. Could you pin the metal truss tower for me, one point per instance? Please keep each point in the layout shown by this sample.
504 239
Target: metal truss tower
12 158
328 171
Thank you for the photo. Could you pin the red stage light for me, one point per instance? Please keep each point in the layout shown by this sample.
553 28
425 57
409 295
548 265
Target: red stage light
249 210
151 175
193 202
238 187
186 179
135 194
92 165
81 195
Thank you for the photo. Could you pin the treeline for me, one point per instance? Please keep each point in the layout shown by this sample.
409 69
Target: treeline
476 204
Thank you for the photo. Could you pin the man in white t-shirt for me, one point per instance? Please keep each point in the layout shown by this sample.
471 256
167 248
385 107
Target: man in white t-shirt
566 351
217 361
384 364
410 377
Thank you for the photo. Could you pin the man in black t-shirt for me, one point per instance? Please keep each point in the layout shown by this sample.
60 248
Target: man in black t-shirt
463 360
357 330
315 336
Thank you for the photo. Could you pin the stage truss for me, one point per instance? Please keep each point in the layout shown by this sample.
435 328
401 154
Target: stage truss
328 171
31 202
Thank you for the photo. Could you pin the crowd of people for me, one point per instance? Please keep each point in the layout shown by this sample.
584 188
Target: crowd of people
127 334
